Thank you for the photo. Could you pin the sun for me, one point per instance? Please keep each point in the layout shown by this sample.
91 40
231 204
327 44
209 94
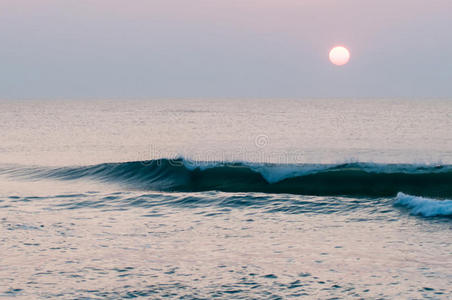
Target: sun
339 55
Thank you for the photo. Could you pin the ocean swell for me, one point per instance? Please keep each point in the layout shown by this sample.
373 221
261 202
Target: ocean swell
352 179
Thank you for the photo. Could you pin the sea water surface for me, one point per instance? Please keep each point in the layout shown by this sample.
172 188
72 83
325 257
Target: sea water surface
242 199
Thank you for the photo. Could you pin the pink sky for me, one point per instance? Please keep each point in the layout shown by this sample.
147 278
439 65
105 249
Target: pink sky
209 48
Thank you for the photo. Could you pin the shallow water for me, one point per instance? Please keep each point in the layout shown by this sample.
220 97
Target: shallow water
73 226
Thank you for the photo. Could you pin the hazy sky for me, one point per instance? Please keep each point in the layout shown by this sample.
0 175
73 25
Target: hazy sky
224 48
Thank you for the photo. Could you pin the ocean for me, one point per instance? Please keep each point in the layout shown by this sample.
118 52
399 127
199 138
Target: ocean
226 199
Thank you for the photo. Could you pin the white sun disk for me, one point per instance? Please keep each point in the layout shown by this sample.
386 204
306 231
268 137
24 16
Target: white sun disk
339 55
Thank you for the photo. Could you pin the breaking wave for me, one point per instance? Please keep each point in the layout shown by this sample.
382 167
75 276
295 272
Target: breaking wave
424 206
351 179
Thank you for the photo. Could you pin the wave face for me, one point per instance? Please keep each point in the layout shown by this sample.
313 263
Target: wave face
352 179
424 206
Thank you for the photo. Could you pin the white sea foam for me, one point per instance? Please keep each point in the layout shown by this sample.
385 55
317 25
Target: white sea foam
277 172
271 172
425 206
